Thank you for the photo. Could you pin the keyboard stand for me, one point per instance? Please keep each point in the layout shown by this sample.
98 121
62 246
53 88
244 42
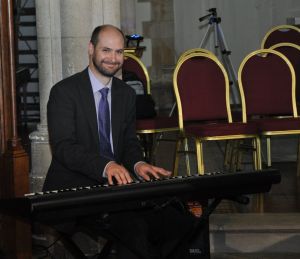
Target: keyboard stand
199 242
198 239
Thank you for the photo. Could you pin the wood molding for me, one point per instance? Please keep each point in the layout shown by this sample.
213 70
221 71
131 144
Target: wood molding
15 237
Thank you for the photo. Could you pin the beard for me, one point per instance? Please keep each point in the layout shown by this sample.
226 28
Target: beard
100 68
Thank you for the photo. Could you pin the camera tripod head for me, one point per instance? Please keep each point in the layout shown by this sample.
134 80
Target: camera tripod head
212 16
213 11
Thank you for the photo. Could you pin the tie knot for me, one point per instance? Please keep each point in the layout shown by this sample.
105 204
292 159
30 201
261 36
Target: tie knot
104 92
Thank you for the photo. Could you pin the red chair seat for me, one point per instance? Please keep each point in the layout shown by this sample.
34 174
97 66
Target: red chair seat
278 124
221 129
157 123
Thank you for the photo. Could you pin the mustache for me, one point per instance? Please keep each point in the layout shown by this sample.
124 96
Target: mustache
110 63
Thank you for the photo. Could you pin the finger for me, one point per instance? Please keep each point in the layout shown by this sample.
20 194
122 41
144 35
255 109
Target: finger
162 171
118 178
128 177
125 177
145 176
110 180
155 174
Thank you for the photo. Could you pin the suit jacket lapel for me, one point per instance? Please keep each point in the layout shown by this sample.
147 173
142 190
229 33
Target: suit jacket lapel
88 103
116 110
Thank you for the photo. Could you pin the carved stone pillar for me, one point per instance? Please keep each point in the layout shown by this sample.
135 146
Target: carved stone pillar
50 71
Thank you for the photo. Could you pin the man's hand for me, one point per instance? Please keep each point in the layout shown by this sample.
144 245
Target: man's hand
147 171
118 173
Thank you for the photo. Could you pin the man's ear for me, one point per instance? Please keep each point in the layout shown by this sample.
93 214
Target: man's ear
91 49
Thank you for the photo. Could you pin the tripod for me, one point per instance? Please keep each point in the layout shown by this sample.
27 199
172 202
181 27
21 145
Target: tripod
221 48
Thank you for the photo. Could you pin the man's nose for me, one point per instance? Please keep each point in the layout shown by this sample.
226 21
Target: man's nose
113 56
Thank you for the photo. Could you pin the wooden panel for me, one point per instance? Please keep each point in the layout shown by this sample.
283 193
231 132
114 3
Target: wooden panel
15 236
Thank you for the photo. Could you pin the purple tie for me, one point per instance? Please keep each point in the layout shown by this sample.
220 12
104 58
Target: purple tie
104 125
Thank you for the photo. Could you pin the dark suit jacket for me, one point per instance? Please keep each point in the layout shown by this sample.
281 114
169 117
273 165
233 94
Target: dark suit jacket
73 132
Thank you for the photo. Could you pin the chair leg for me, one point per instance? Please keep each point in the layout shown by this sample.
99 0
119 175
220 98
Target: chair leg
257 163
176 159
257 146
235 155
187 158
228 153
298 158
259 202
146 141
199 152
157 137
239 155
269 159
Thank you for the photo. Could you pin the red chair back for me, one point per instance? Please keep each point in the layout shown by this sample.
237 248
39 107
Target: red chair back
201 88
267 82
134 64
292 52
282 33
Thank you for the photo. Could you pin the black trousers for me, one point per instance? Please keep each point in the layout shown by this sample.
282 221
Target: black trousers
154 233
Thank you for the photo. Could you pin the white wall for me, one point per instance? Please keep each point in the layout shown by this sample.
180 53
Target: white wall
244 22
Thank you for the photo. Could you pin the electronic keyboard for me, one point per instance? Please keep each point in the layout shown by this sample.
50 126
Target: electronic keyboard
60 205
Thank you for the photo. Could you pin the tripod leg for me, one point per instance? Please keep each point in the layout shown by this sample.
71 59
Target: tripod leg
206 35
216 37
228 64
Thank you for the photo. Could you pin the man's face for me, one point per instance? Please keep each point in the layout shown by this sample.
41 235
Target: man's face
107 55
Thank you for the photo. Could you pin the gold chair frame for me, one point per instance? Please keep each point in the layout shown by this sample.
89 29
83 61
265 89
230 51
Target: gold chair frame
195 50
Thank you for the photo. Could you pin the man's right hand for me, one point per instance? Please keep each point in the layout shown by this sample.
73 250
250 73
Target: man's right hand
117 174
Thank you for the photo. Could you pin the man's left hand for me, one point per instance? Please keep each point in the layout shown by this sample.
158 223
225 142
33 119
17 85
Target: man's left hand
147 171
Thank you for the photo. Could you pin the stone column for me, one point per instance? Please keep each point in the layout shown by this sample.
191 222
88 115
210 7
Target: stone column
128 16
78 20
50 72
63 32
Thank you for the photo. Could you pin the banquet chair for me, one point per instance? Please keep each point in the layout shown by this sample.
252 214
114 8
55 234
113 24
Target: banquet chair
281 33
267 82
202 93
236 113
149 130
292 52
185 140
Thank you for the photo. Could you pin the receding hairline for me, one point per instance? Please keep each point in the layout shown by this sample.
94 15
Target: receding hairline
102 28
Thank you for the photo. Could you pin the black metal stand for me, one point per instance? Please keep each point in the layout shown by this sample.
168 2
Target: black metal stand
195 243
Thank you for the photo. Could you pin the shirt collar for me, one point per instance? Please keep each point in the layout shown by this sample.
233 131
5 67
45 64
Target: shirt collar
96 84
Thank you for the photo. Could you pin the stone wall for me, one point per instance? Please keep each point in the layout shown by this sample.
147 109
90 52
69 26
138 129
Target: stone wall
160 29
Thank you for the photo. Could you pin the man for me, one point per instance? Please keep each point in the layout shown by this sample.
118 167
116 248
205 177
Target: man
83 153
